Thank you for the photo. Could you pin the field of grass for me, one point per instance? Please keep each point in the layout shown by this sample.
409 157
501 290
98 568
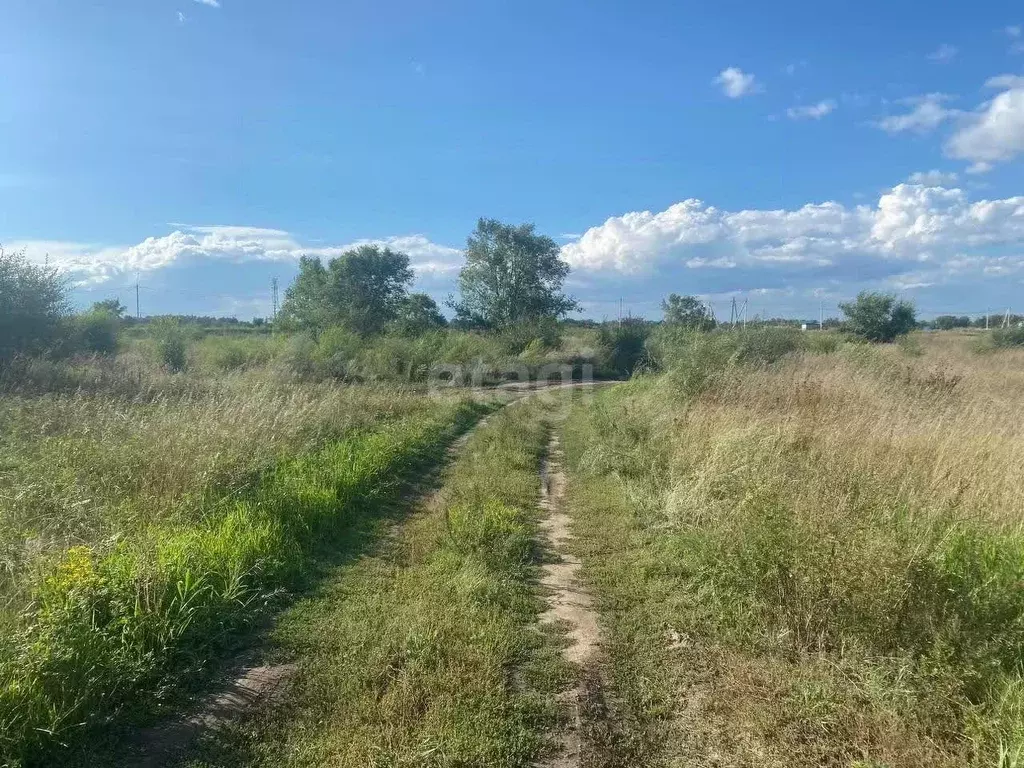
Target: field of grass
426 653
146 519
813 558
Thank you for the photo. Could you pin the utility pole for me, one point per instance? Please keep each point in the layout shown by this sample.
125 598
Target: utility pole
138 313
745 313
986 319
273 290
1006 318
821 315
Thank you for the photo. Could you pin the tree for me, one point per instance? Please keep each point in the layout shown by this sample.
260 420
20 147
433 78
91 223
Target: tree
110 306
879 316
362 290
512 276
33 304
688 312
417 314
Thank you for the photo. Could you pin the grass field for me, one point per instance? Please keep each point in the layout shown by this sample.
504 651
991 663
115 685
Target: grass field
145 522
810 559
804 551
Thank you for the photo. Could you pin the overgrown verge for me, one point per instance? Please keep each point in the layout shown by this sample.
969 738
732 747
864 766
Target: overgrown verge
811 562
114 627
427 653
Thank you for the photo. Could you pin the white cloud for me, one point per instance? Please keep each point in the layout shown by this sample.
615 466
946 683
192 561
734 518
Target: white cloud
933 178
1014 30
995 131
90 264
210 3
811 111
927 231
944 53
736 83
927 114
181 18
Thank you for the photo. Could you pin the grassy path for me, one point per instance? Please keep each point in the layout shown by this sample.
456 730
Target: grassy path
426 651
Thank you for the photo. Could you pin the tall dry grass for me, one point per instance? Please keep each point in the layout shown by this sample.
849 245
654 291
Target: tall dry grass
839 537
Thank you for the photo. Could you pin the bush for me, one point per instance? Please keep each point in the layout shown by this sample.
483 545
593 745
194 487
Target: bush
1008 337
94 332
622 347
33 304
517 338
171 344
878 317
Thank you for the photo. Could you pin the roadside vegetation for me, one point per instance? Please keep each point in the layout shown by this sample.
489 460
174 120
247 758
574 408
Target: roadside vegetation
427 652
809 553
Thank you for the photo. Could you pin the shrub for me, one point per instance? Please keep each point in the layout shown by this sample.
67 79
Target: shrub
336 348
1008 337
622 347
171 344
33 304
94 332
878 317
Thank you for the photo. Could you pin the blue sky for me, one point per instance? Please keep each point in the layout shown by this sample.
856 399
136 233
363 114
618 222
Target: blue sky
789 154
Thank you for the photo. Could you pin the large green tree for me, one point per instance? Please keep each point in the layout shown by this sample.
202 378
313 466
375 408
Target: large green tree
879 316
362 290
512 276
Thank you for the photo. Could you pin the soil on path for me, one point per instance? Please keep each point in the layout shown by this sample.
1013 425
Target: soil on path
570 605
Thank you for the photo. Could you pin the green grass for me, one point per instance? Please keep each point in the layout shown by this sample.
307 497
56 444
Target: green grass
114 625
426 653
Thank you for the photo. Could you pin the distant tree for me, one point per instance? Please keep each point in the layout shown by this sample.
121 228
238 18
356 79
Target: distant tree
879 316
417 314
688 312
512 276
361 290
33 305
110 306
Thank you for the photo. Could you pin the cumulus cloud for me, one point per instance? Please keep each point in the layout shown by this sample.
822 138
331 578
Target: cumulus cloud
736 83
926 115
811 111
933 178
927 232
89 264
210 3
944 53
995 131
